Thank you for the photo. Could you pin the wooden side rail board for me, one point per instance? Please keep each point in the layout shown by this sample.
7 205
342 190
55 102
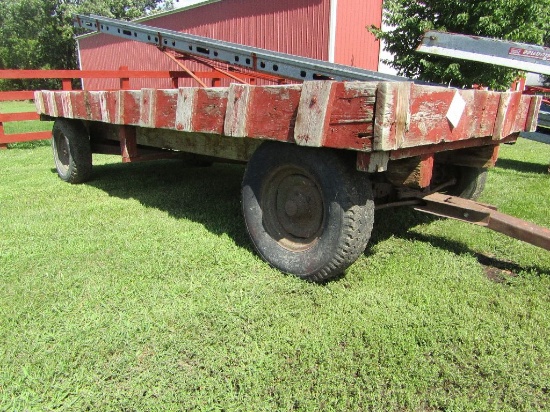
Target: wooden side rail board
24 137
485 215
361 116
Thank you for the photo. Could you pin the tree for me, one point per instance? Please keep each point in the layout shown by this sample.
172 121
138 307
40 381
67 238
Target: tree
39 34
519 20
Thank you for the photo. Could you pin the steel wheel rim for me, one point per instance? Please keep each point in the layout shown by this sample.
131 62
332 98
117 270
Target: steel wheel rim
293 208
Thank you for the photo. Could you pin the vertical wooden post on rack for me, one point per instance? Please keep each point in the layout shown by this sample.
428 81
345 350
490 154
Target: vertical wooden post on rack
127 134
175 82
66 84
216 82
124 81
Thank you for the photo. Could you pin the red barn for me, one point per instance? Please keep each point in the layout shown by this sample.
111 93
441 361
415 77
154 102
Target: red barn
331 30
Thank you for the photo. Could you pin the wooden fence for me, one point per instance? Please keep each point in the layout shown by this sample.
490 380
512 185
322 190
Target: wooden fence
66 76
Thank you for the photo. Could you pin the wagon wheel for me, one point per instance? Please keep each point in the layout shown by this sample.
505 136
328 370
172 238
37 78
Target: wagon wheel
307 211
71 151
469 181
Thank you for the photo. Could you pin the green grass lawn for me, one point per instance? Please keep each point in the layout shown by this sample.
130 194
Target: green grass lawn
140 291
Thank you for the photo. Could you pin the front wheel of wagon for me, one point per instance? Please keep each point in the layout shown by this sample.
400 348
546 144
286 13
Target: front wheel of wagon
71 151
469 182
307 210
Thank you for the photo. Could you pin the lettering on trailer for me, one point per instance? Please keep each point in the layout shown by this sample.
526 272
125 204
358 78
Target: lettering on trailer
534 54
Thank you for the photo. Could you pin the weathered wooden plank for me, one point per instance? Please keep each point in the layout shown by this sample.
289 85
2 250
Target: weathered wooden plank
108 103
236 118
200 143
164 110
483 156
93 102
352 116
209 110
485 109
66 106
57 101
147 108
362 116
511 115
372 162
129 109
413 172
314 111
533 114
392 115
49 104
39 102
272 112
79 105
353 102
429 123
185 106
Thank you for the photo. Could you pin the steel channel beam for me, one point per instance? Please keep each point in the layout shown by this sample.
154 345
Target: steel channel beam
260 60
485 215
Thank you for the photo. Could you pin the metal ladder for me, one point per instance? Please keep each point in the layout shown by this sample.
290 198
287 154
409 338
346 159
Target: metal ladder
526 57
256 59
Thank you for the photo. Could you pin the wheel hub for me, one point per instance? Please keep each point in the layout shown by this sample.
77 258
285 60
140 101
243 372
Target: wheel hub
62 151
294 208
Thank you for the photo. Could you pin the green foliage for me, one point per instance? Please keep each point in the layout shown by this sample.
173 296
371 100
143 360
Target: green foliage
39 34
519 20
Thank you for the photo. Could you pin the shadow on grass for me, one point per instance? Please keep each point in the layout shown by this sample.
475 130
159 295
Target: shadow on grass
496 269
521 166
211 196
206 195
399 222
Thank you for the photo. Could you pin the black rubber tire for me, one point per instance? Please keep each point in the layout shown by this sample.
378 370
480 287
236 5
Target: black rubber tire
71 151
471 182
308 212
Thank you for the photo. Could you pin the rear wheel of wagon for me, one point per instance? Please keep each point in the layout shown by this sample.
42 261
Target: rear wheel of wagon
307 210
71 151
469 181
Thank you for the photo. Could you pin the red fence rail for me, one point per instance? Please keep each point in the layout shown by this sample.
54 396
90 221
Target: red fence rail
67 76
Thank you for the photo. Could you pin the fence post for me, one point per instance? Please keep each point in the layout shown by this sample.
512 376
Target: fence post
3 146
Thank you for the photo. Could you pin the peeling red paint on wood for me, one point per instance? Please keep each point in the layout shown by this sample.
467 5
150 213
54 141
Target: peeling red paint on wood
78 101
129 109
209 110
364 116
352 116
165 107
273 111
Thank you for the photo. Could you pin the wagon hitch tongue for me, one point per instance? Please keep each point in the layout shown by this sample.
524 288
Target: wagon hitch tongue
484 215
